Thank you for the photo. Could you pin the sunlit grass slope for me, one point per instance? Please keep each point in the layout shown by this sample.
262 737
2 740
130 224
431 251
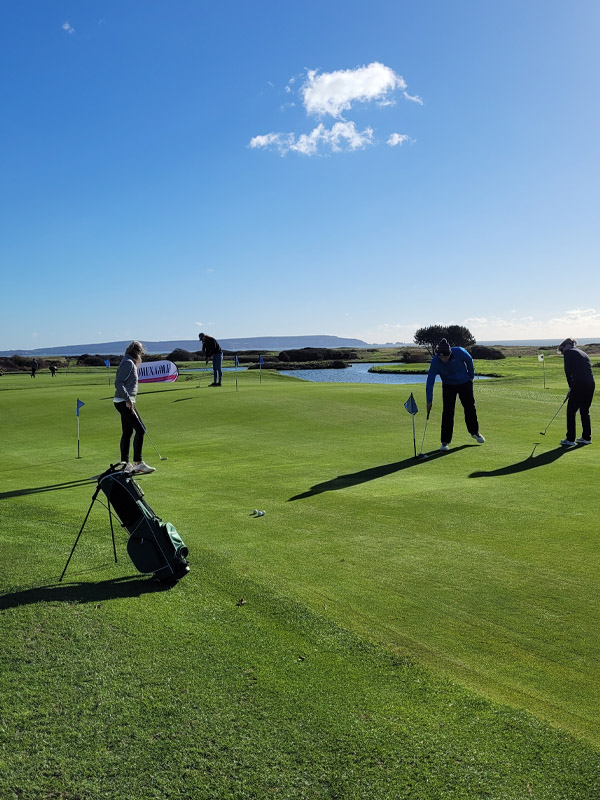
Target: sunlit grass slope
390 628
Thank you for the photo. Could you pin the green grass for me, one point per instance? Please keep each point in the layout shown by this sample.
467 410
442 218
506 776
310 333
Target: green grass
389 629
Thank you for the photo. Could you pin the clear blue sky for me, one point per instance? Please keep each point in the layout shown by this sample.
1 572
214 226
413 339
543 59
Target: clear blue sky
272 168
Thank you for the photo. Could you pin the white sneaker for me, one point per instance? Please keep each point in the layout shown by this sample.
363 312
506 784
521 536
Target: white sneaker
142 469
567 443
478 437
128 467
444 446
581 440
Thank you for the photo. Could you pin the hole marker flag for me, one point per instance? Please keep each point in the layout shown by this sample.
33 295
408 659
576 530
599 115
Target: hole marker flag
260 360
107 362
237 363
79 404
541 357
411 405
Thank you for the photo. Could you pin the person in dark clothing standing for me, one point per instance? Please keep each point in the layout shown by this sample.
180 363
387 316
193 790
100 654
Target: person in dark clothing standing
212 349
34 367
578 371
455 367
126 387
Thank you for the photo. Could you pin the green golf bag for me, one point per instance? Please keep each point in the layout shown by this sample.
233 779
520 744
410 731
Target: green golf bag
153 545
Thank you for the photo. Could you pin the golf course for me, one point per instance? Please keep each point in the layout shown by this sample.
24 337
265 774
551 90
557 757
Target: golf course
393 627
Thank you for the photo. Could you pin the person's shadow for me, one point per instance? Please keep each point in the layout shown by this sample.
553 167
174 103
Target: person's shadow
530 462
82 592
365 475
52 488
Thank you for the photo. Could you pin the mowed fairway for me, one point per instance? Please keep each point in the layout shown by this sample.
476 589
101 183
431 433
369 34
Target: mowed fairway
391 628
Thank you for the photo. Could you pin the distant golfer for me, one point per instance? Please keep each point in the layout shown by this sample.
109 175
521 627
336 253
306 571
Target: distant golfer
34 367
578 371
455 367
212 349
52 369
126 386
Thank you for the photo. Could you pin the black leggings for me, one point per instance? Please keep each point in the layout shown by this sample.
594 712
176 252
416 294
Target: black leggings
130 422
449 394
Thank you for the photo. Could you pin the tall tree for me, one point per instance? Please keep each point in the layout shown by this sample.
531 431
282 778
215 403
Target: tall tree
430 337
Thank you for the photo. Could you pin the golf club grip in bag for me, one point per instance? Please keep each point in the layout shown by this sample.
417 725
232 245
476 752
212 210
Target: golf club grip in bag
153 545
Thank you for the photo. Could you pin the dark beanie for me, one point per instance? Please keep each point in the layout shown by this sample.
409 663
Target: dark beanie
443 348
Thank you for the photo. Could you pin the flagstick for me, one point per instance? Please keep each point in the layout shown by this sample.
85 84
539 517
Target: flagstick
544 366
414 435
78 456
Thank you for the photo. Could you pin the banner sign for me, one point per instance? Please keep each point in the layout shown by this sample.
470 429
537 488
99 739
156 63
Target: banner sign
157 372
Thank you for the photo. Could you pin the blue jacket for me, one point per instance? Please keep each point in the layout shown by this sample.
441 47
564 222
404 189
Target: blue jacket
458 369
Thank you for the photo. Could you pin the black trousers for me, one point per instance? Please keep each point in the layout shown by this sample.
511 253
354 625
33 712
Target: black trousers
130 422
449 394
580 399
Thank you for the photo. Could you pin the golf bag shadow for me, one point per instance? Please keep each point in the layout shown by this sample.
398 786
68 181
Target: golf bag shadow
153 545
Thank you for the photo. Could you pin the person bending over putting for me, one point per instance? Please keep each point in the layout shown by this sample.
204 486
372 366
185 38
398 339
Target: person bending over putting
578 371
212 349
126 386
455 367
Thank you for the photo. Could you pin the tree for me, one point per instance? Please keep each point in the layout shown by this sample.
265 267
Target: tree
430 337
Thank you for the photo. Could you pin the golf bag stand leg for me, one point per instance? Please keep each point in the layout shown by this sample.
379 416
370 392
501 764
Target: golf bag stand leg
95 495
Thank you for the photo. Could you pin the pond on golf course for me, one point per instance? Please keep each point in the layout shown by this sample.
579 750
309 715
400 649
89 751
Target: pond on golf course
357 373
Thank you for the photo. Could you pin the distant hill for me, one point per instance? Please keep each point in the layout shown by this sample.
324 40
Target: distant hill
235 345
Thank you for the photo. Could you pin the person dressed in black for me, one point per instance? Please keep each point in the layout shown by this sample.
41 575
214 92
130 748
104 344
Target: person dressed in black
212 349
126 387
578 371
34 367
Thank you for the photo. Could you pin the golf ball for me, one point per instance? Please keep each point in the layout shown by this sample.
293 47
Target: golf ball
255 511
261 513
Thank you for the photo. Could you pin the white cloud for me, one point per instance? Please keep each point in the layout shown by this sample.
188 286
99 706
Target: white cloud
68 28
414 98
332 93
398 139
341 136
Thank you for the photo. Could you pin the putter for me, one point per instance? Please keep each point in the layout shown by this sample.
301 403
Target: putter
162 458
421 453
543 433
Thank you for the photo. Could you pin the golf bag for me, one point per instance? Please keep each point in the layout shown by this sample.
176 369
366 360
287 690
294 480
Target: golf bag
153 545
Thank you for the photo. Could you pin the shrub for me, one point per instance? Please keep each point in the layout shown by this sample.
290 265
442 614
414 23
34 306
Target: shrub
486 353
414 356
179 354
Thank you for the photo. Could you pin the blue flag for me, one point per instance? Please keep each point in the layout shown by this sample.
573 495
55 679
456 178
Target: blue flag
411 405
79 404
107 362
236 361
260 360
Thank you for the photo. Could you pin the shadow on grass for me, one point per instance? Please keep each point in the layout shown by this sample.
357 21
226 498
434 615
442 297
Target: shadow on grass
365 475
531 462
52 488
82 592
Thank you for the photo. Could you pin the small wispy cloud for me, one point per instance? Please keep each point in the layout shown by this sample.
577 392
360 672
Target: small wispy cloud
398 139
66 26
333 94
341 136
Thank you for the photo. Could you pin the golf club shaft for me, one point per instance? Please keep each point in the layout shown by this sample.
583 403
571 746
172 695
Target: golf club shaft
543 433
134 409
424 432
